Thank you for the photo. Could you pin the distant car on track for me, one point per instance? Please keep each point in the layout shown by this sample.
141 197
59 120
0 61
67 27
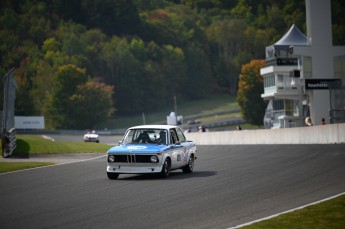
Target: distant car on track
91 136
192 122
151 149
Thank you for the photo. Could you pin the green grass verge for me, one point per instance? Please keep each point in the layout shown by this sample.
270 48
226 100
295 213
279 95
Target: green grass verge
14 166
219 117
217 103
329 214
36 144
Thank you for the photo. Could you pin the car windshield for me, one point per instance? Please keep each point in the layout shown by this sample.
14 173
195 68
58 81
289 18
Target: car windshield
146 136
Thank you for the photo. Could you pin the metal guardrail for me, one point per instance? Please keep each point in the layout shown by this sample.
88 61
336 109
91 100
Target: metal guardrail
9 142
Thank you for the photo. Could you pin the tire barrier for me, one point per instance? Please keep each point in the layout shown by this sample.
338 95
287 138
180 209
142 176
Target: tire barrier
8 135
8 140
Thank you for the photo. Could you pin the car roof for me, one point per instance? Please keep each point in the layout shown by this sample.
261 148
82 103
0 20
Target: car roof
166 127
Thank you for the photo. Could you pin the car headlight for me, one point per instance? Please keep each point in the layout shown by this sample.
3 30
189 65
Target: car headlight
154 159
111 158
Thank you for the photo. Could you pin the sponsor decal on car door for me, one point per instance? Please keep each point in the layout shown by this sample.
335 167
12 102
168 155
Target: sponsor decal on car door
177 157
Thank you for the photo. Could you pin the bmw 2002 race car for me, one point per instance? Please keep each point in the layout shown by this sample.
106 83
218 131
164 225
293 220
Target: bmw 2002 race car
151 149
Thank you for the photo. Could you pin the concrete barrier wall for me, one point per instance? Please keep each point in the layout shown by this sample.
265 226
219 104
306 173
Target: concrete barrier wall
326 134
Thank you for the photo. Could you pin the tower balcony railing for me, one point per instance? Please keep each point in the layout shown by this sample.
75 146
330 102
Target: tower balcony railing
282 88
282 61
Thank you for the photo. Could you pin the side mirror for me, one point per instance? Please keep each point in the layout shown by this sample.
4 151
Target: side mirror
120 142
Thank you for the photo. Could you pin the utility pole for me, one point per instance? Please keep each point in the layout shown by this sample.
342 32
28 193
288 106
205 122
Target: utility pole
175 105
144 119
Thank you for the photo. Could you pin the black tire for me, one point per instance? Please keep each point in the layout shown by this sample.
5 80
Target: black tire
113 176
190 166
165 169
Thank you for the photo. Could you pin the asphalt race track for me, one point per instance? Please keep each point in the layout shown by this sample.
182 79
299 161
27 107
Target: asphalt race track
231 185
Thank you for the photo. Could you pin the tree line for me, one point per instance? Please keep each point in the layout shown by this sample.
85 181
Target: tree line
76 58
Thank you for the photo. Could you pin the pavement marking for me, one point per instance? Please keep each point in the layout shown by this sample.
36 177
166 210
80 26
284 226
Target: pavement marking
64 163
288 211
48 138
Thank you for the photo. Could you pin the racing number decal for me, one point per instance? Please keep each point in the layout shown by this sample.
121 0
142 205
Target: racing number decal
185 155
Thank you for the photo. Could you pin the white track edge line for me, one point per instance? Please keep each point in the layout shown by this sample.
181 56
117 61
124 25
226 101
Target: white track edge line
40 167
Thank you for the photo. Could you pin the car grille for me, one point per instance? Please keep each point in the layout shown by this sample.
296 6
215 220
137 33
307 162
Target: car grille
132 158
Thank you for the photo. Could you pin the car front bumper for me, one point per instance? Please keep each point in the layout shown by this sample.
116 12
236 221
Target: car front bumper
91 139
134 169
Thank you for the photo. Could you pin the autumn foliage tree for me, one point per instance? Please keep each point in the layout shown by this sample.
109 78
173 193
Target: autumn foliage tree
249 92
66 80
78 102
90 104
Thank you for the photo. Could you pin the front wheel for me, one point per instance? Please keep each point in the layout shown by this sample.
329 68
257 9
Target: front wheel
166 168
113 176
190 166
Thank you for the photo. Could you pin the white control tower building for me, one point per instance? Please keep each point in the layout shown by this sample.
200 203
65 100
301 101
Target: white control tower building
305 75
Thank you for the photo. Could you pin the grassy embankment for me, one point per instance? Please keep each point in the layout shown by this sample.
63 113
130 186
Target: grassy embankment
36 144
214 105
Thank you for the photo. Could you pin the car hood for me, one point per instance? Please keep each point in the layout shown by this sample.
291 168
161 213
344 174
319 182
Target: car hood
138 148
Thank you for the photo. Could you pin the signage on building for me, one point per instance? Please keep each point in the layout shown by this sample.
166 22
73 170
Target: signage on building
29 122
322 84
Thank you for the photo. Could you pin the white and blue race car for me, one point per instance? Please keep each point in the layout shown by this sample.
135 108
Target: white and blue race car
151 149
